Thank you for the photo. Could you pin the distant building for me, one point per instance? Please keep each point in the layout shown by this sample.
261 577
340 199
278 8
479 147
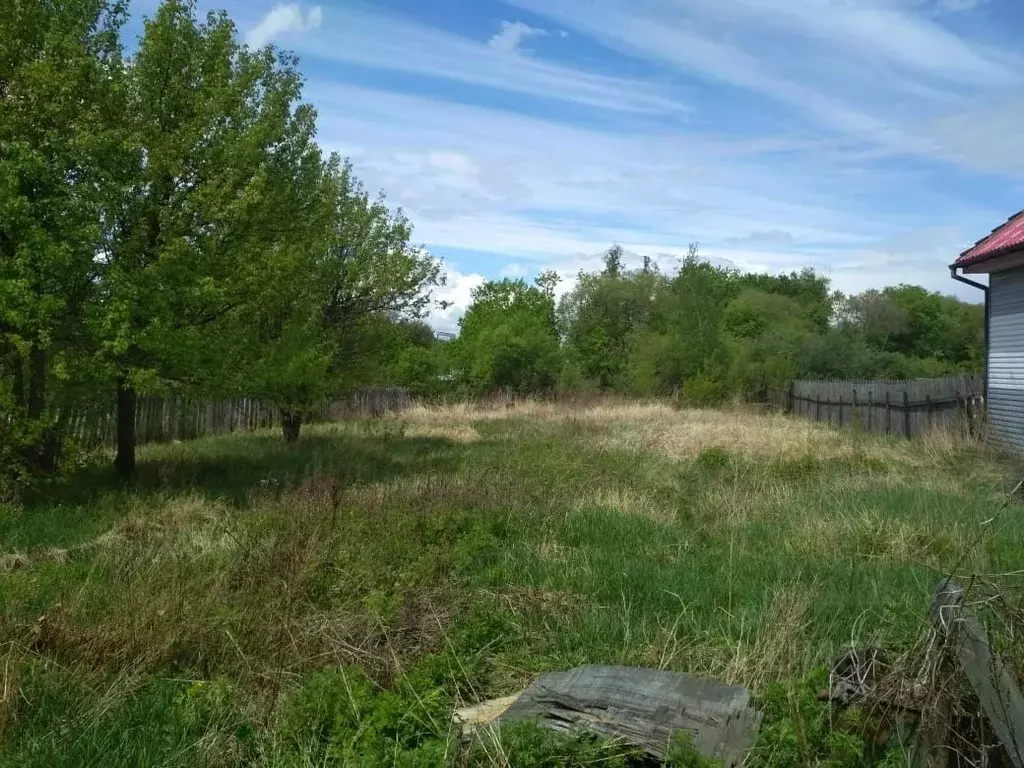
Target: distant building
1001 257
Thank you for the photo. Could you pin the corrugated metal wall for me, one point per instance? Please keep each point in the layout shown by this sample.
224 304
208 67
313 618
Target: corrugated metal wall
1006 357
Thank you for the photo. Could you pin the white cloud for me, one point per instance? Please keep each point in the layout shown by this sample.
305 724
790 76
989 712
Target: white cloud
512 34
987 136
391 43
284 19
672 187
458 294
514 269
865 68
764 236
956 6
454 163
538 194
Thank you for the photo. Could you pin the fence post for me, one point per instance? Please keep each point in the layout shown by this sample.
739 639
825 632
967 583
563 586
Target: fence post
1000 698
906 412
789 399
888 413
928 410
840 410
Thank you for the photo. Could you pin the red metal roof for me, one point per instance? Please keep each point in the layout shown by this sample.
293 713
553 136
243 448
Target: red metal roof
1004 239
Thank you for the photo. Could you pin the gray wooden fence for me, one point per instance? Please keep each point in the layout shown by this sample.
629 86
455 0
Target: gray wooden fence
162 419
906 407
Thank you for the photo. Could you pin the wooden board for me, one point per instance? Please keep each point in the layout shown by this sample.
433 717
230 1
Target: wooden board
644 707
1000 697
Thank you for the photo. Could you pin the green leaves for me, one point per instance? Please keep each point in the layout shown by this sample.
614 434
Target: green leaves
326 314
508 338
216 164
707 332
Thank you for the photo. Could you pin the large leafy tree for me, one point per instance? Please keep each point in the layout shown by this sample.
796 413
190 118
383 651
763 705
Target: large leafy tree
210 135
508 338
602 314
912 332
354 274
682 347
812 293
766 335
59 63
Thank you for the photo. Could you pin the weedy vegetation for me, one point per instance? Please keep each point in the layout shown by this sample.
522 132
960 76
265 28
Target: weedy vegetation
331 601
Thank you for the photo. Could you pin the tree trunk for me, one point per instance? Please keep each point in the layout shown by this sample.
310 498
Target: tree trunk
127 399
291 424
17 366
45 453
36 382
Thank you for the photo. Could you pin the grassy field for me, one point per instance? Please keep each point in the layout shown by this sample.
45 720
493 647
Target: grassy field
331 601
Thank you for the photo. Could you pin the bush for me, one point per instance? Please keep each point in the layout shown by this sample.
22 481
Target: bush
799 730
338 715
529 745
703 390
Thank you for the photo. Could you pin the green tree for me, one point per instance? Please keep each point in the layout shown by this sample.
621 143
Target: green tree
508 338
362 285
210 130
602 313
811 292
914 332
767 335
58 63
683 346
419 359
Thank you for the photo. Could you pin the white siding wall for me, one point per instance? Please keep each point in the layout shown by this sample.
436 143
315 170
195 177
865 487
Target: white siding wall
1006 357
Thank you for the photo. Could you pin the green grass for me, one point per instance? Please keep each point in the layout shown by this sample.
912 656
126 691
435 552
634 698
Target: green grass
252 602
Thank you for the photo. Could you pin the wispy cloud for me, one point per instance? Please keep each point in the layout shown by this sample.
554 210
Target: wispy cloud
956 6
811 133
865 68
512 34
540 194
764 236
282 20
390 43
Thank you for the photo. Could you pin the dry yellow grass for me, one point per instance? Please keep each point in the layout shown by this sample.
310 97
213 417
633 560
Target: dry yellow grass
658 427
774 650
458 433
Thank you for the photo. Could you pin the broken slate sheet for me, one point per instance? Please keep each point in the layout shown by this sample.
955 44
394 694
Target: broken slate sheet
644 707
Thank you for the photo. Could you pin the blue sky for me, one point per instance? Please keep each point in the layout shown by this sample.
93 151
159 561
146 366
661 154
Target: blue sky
870 139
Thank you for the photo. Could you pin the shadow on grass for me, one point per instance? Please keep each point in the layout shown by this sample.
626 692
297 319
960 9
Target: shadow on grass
232 467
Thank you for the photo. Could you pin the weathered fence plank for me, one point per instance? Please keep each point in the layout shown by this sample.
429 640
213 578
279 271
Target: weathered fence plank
162 419
908 407
997 692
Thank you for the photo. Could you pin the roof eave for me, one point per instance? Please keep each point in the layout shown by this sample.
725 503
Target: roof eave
990 262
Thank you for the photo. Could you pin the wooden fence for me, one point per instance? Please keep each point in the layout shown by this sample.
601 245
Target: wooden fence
162 419
906 407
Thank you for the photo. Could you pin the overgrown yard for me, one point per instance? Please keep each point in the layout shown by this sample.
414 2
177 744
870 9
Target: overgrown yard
331 601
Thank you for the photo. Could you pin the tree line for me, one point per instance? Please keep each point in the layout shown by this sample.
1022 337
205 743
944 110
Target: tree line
169 223
703 333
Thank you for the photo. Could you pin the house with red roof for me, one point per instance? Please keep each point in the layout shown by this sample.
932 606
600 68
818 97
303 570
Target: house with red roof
1001 257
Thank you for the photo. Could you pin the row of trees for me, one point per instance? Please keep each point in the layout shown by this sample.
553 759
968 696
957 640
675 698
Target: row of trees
169 223
704 332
